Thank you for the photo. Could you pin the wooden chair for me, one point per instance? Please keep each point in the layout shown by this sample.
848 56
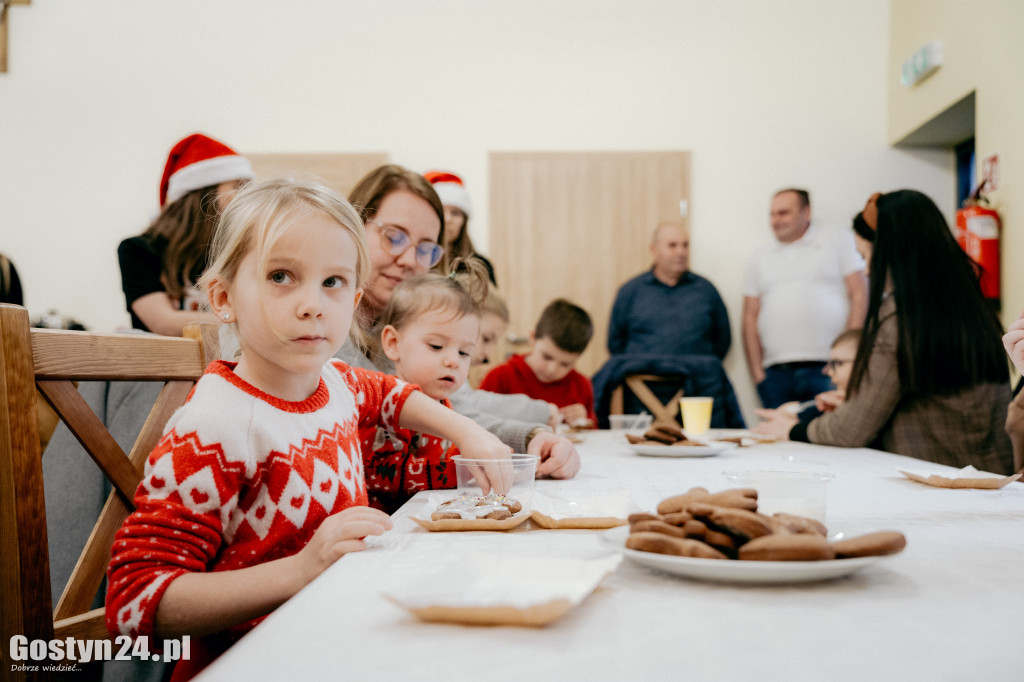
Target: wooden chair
638 384
51 360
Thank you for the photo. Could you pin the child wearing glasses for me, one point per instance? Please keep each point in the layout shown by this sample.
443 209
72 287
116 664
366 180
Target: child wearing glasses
257 484
838 368
431 329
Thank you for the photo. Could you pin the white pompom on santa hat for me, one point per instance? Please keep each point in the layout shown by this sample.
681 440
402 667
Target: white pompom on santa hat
451 191
199 161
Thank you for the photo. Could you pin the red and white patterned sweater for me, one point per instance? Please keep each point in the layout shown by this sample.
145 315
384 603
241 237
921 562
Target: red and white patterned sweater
240 478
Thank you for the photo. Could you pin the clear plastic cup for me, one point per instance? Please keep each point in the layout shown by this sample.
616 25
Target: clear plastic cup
513 478
794 492
636 424
696 413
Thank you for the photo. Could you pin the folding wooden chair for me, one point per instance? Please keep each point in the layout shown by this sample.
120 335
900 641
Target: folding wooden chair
51 360
638 384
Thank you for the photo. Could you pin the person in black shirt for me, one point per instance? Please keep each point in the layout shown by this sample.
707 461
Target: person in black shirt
160 267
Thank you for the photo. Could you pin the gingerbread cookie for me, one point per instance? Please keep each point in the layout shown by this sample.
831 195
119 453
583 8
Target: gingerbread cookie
792 547
496 507
801 524
666 544
657 527
872 544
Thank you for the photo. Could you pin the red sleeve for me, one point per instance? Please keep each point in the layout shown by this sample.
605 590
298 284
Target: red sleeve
174 530
160 541
379 397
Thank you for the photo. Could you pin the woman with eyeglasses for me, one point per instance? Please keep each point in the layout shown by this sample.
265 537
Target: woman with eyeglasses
404 222
930 379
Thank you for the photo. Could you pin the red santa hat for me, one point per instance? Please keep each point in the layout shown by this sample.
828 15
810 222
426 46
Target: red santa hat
199 161
451 191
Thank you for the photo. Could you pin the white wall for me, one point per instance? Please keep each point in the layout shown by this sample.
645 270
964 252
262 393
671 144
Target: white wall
765 95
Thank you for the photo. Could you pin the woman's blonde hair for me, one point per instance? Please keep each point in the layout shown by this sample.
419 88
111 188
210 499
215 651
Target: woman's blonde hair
462 293
261 213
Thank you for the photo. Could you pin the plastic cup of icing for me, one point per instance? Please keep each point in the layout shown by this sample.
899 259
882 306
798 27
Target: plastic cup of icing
512 478
794 492
635 424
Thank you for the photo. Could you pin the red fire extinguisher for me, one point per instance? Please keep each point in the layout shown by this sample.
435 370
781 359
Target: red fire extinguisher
977 233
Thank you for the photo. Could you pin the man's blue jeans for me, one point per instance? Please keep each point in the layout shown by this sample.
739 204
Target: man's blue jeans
793 381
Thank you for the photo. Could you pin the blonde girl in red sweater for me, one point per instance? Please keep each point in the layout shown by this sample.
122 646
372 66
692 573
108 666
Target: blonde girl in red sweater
257 485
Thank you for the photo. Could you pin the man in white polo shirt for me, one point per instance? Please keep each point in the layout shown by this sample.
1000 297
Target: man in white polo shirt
801 290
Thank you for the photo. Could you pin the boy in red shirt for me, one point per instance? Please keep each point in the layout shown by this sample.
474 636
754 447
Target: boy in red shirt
546 372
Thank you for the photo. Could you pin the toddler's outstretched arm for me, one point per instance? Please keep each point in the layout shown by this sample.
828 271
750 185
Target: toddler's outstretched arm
425 415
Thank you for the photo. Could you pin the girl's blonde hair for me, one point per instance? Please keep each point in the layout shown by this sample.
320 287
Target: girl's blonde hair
494 304
262 212
462 293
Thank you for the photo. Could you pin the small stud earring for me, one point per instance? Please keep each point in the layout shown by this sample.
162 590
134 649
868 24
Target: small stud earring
225 317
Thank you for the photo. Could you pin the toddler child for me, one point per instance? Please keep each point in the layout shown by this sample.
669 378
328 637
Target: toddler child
257 485
431 329
547 371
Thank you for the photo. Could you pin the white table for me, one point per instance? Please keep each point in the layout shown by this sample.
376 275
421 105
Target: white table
949 607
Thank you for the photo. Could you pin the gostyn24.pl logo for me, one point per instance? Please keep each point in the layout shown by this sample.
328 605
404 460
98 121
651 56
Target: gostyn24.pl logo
70 650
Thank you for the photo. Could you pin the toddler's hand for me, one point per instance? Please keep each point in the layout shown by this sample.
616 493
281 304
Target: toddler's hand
340 534
1013 342
496 476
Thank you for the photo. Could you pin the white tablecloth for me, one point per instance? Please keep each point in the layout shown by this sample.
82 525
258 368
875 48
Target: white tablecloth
950 607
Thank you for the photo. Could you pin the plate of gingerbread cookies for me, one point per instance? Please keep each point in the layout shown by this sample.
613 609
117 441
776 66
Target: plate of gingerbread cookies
668 440
474 512
688 448
722 537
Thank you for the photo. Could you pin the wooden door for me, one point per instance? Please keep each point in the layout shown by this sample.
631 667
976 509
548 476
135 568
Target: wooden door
577 225
338 171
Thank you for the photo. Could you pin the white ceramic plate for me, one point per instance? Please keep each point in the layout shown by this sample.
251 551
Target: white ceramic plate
749 572
709 450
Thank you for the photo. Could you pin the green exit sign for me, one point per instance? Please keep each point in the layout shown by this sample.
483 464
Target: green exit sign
921 63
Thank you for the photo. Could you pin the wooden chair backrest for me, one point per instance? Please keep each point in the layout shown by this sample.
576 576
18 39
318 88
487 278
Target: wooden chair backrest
638 384
51 360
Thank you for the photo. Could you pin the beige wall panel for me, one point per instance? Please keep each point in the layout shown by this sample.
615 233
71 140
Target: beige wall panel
983 45
340 171
578 225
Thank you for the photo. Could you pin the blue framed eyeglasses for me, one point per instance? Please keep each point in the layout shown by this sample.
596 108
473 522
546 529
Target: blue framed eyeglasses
396 241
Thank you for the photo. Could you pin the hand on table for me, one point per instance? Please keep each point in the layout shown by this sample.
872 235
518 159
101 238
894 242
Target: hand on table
1013 342
340 534
558 456
776 423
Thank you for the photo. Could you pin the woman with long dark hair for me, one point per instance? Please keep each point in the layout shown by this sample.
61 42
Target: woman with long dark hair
930 379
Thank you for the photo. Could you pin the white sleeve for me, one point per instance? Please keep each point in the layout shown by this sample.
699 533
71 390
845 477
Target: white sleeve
849 260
